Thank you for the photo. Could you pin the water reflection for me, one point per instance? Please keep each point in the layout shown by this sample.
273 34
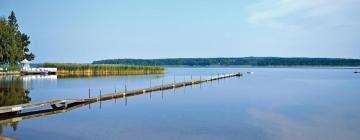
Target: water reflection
12 92
38 77
15 90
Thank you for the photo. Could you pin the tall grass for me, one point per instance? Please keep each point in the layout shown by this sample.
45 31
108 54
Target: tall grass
10 68
68 69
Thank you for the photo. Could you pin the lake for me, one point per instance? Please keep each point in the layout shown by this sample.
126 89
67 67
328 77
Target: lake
271 104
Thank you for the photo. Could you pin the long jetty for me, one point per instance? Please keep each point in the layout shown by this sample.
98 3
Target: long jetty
64 103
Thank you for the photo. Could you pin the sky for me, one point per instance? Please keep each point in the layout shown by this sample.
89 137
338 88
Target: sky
81 31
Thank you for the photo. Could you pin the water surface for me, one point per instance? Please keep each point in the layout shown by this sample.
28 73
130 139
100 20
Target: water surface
273 103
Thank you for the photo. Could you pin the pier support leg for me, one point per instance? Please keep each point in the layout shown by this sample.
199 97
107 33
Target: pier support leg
53 106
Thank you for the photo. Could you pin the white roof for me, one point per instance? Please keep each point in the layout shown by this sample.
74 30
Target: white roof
25 61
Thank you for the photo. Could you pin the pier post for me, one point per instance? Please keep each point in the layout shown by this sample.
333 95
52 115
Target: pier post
100 99
184 81
53 106
124 94
100 96
218 78
115 94
89 98
125 89
162 84
150 90
191 81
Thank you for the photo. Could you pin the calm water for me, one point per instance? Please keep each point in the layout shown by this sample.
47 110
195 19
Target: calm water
273 103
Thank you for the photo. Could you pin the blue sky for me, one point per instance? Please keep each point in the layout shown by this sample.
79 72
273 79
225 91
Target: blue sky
86 30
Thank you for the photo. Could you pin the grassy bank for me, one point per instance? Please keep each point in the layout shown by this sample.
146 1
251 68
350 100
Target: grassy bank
65 69
9 68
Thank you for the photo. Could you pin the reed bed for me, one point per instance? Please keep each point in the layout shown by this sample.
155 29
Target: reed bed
67 69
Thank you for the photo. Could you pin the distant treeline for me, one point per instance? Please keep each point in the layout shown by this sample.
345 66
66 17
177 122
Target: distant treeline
243 61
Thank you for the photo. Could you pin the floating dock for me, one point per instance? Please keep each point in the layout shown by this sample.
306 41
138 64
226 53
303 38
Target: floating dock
63 103
39 71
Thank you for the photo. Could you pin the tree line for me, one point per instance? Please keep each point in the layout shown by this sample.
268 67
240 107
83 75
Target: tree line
13 43
242 61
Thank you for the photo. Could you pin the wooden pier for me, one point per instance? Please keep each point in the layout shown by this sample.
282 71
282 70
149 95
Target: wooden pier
63 103
10 118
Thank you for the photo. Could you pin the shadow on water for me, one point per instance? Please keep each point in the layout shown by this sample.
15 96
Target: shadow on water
12 92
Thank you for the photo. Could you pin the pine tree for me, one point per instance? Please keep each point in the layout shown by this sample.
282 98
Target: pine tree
12 20
13 43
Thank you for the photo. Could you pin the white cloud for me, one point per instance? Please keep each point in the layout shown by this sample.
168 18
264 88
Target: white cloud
295 13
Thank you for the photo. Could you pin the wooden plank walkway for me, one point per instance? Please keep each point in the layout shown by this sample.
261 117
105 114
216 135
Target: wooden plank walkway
65 102
10 118
15 108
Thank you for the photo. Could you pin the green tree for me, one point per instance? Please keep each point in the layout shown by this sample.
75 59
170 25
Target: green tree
2 39
13 43
12 20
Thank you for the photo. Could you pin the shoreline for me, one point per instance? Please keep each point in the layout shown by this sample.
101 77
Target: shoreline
10 73
89 73
244 66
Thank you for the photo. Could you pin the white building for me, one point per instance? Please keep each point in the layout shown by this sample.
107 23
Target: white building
26 69
25 65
